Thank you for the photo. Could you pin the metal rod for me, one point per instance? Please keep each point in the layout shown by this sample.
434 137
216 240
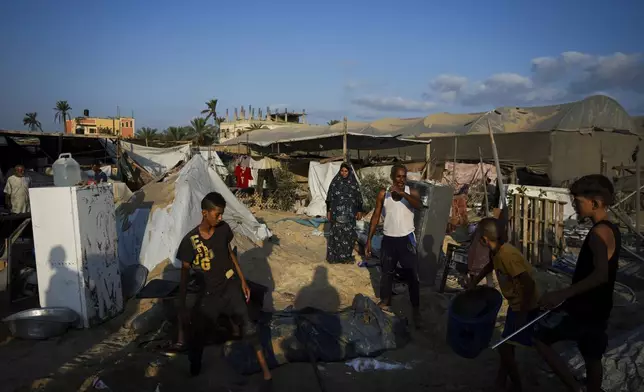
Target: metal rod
637 195
505 339
627 197
626 222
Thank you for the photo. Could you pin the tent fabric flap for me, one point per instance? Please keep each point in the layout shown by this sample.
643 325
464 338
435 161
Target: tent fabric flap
320 177
157 161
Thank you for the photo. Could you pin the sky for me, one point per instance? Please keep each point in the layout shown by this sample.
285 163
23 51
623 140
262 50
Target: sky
364 59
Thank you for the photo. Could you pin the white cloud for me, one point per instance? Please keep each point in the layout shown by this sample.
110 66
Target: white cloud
571 75
393 104
449 83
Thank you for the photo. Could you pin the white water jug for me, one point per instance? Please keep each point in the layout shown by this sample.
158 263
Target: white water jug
67 171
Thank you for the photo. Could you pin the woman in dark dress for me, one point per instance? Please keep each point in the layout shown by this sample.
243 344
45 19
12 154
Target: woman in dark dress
344 207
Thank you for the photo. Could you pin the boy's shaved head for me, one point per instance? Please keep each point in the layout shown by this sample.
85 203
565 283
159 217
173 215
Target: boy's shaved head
489 228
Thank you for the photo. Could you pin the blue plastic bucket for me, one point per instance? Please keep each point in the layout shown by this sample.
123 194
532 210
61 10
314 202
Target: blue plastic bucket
471 320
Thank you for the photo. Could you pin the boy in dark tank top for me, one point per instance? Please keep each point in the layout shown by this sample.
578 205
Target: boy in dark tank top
587 303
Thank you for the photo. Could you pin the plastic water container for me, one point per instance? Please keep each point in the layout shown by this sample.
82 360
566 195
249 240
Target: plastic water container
471 320
67 171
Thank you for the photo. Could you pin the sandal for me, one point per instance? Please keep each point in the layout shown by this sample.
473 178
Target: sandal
176 348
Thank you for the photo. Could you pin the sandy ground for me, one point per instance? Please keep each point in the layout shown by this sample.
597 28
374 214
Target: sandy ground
293 266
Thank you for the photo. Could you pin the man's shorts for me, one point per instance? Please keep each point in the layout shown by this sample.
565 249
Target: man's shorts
524 338
229 302
560 326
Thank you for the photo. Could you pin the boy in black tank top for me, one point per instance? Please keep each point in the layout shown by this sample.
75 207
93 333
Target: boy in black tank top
587 303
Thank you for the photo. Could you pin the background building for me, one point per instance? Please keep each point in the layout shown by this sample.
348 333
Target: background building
246 120
117 126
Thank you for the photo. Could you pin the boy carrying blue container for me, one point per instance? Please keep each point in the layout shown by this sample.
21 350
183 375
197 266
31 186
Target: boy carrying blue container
518 287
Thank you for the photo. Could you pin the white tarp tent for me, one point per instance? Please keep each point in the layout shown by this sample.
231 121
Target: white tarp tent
320 176
149 231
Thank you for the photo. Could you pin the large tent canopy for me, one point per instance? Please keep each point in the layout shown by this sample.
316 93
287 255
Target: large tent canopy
360 135
597 112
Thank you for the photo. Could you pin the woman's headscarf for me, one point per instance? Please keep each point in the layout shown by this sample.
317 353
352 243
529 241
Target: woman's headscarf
344 192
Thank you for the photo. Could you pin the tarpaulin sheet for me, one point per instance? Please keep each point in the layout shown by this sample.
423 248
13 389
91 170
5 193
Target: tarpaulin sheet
467 173
320 177
622 362
363 330
157 161
149 233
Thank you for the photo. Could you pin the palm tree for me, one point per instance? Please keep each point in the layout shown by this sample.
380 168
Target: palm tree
31 121
333 122
176 133
147 134
200 132
62 113
210 110
255 126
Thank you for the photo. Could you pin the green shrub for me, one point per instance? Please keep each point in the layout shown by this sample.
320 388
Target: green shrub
370 185
285 194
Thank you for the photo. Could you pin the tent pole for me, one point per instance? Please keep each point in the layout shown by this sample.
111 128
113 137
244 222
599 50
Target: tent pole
499 176
484 181
428 158
345 150
638 185
454 168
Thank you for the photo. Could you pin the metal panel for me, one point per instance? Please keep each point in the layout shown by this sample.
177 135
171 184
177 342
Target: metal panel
99 252
431 224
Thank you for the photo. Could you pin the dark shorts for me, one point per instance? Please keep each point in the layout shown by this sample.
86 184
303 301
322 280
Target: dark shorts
559 326
229 302
524 338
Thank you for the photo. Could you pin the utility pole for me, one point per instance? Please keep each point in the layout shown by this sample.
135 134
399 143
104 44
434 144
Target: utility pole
345 150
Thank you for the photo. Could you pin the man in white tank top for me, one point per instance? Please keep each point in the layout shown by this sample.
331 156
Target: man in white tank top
397 205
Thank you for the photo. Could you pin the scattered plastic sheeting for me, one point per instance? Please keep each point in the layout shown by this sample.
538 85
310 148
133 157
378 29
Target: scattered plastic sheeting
622 362
311 222
376 242
368 364
362 330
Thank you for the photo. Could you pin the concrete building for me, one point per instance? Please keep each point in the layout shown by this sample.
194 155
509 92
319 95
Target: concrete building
117 126
245 120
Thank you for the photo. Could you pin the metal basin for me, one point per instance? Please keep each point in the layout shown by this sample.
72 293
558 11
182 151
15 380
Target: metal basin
41 323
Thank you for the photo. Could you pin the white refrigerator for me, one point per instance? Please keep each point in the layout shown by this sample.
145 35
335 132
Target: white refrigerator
76 250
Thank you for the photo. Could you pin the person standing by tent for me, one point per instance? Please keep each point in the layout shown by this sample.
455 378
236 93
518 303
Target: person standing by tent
16 191
207 249
397 205
344 207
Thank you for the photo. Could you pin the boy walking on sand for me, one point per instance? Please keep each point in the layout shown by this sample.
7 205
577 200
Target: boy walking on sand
518 287
587 303
206 248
